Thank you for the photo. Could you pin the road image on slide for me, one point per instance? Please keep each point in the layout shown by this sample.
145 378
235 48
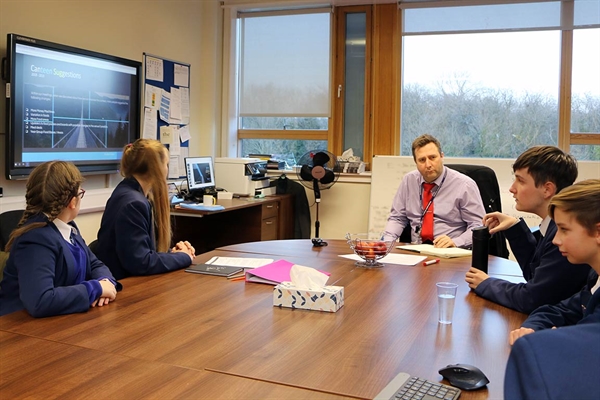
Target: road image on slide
68 118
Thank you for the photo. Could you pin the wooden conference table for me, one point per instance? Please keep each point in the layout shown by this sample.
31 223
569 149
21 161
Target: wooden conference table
182 335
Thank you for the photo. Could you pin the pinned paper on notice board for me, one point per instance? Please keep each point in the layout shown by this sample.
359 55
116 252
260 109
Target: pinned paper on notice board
165 105
166 134
152 96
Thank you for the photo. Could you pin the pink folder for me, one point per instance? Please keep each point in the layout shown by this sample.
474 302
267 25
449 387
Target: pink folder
273 273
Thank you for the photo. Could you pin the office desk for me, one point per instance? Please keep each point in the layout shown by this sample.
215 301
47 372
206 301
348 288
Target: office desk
245 219
190 325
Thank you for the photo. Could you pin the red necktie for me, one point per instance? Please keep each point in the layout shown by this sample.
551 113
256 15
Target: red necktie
427 228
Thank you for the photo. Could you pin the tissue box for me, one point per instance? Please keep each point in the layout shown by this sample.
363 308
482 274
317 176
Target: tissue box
329 298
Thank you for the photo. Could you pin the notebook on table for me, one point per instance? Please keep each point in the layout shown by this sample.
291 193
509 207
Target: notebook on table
219 270
429 249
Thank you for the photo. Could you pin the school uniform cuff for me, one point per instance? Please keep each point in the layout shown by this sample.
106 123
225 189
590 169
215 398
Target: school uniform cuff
94 290
118 285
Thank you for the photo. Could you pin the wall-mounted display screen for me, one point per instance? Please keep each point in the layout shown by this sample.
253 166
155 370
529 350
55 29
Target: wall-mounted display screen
68 104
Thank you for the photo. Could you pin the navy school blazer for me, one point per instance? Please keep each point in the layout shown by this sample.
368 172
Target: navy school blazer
40 273
126 241
559 363
550 276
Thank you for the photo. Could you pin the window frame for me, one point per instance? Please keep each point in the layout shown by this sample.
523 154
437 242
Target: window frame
383 99
566 138
275 134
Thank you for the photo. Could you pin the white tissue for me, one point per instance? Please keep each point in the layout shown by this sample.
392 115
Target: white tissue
306 278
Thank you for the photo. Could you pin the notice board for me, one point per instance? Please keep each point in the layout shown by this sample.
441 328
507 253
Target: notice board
167 108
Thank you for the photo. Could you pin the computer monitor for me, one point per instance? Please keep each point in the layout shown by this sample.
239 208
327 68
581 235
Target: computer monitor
200 173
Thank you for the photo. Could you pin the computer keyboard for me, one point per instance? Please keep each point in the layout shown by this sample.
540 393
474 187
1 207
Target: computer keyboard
406 387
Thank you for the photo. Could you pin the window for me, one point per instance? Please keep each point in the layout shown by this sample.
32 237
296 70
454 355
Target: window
585 84
481 94
485 79
489 80
284 82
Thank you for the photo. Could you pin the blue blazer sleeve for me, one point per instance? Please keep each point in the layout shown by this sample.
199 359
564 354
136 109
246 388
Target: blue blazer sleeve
567 312
580 308
135 247
550 276
555 364
525 246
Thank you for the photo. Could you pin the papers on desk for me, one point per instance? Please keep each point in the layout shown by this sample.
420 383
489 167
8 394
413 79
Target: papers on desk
219 270
449 252
392 258
241 262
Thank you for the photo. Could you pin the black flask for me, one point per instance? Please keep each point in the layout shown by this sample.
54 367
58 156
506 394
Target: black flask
481 243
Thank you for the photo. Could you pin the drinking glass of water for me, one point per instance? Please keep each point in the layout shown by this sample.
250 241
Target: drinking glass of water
446 292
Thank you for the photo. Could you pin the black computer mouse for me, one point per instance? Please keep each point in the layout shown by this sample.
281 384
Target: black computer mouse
464 376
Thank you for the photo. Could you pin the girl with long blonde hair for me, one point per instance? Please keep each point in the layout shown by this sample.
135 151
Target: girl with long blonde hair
135 232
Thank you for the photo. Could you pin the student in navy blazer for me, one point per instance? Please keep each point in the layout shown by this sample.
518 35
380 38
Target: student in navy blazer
540 173
547 359
50 270
555 364
135 232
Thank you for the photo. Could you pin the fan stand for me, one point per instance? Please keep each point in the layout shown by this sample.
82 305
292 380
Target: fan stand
317 242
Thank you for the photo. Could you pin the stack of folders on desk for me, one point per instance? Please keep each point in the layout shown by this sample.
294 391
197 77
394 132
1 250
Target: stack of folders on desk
231 267
272 274
429 249
257 270
219 270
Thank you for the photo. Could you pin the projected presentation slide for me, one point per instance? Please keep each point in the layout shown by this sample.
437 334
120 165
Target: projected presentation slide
72 104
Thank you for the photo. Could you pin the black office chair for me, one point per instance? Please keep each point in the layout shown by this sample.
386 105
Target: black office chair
8 222
302 224
93 246
489 189
406 235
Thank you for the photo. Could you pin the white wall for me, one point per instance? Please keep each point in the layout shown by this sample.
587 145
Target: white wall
189 31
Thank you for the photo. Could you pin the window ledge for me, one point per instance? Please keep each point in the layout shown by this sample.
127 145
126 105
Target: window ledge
365 177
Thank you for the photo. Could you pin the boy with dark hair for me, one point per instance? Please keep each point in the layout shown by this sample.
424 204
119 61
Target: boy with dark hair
540 173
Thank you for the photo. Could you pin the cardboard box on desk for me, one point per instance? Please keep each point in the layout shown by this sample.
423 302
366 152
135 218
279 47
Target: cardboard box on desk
329 298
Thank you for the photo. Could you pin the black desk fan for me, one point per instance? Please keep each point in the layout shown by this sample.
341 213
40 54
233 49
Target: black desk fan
319 170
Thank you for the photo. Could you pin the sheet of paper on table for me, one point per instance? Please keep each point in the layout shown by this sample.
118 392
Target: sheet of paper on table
398 259
244 262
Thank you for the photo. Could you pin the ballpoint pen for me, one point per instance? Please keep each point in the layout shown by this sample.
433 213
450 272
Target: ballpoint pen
431 262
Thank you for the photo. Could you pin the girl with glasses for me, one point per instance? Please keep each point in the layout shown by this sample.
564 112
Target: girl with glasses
50 270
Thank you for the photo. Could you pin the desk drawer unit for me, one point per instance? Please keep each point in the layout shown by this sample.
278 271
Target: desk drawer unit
269 223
